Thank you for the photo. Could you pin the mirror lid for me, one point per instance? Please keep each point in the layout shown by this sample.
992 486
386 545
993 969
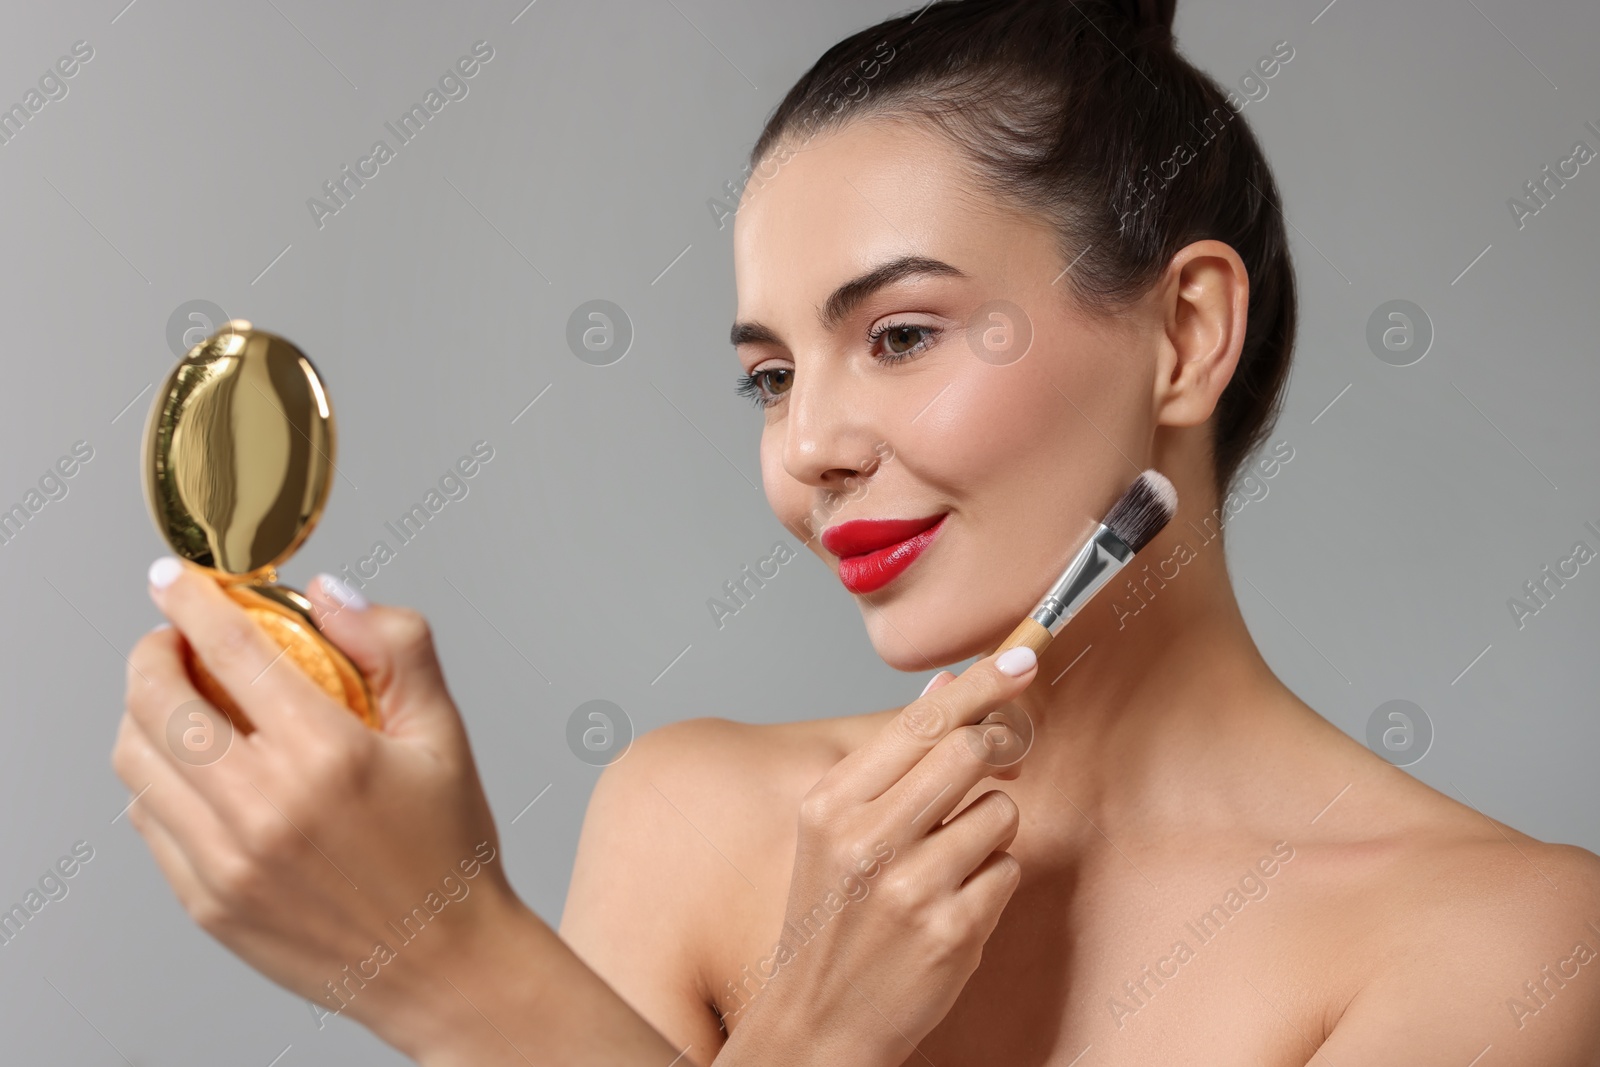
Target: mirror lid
238 452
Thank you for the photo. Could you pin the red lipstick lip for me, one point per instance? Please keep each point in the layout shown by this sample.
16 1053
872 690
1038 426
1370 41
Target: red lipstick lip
860 536
876 552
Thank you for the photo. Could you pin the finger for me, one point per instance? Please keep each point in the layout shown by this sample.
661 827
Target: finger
1007 746
163 792
1005 768
1011 769
179 723
989 889
874 768
193 843
169 856
393 649
939 782
260 676
986 826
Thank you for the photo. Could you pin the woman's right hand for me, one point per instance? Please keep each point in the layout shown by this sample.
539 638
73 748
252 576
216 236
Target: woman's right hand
889 905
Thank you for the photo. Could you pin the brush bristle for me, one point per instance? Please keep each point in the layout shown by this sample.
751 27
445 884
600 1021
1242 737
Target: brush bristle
1143 510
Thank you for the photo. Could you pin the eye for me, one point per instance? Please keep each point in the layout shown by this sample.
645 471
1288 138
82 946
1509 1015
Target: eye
763 387
901 340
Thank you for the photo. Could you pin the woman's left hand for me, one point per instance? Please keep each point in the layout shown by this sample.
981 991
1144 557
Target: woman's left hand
352 866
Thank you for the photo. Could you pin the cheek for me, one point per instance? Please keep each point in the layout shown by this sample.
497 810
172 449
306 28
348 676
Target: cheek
1037 421
1100 387
985 427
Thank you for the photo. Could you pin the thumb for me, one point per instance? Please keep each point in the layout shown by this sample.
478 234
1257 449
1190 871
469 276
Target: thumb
393 649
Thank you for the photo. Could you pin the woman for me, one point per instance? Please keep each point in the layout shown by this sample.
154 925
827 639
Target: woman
1208 867
995 258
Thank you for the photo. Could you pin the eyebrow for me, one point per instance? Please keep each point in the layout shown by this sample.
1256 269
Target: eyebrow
849 296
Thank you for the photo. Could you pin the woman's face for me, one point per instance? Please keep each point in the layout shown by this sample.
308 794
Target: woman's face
980 399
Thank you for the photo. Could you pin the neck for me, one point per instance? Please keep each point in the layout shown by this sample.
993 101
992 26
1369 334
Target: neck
1156 682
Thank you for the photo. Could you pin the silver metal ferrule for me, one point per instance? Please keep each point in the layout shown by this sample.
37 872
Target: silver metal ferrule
1096 563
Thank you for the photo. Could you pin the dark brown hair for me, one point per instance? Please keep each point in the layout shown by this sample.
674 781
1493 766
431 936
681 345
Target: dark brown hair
1078 109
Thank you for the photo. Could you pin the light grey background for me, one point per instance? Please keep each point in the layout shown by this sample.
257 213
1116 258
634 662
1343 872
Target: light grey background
579 566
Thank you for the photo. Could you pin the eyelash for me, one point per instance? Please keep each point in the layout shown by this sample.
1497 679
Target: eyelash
749 385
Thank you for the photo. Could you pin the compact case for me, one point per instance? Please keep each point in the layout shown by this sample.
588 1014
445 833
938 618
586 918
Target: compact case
237 465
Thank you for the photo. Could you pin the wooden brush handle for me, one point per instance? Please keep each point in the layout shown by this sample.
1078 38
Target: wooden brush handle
1030 633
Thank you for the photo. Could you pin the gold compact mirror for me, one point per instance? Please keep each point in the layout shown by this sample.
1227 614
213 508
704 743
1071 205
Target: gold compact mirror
237 465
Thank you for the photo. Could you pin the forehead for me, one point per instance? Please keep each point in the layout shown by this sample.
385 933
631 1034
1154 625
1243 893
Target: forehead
850 199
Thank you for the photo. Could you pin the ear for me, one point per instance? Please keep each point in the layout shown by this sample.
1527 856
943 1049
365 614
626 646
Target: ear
1206 294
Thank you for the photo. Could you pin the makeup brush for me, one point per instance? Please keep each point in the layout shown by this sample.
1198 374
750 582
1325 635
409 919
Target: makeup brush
1134 520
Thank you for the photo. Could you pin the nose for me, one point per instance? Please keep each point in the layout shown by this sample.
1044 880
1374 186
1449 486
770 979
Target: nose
830 436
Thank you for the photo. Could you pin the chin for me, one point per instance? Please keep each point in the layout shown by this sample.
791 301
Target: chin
912 638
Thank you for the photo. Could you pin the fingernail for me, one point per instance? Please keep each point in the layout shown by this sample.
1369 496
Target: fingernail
929 686
1016 661
341 591
165 571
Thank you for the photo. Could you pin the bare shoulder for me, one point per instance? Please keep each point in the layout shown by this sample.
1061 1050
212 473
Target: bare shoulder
695 810
1456 857
735 784
1521 895
685 853
699 782
1458 930
705 762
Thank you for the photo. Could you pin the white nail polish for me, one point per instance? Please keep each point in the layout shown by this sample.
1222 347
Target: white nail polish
165 571
1016 661
929 686
341 591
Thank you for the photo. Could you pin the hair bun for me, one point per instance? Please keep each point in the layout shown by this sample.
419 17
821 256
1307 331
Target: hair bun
1154 16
